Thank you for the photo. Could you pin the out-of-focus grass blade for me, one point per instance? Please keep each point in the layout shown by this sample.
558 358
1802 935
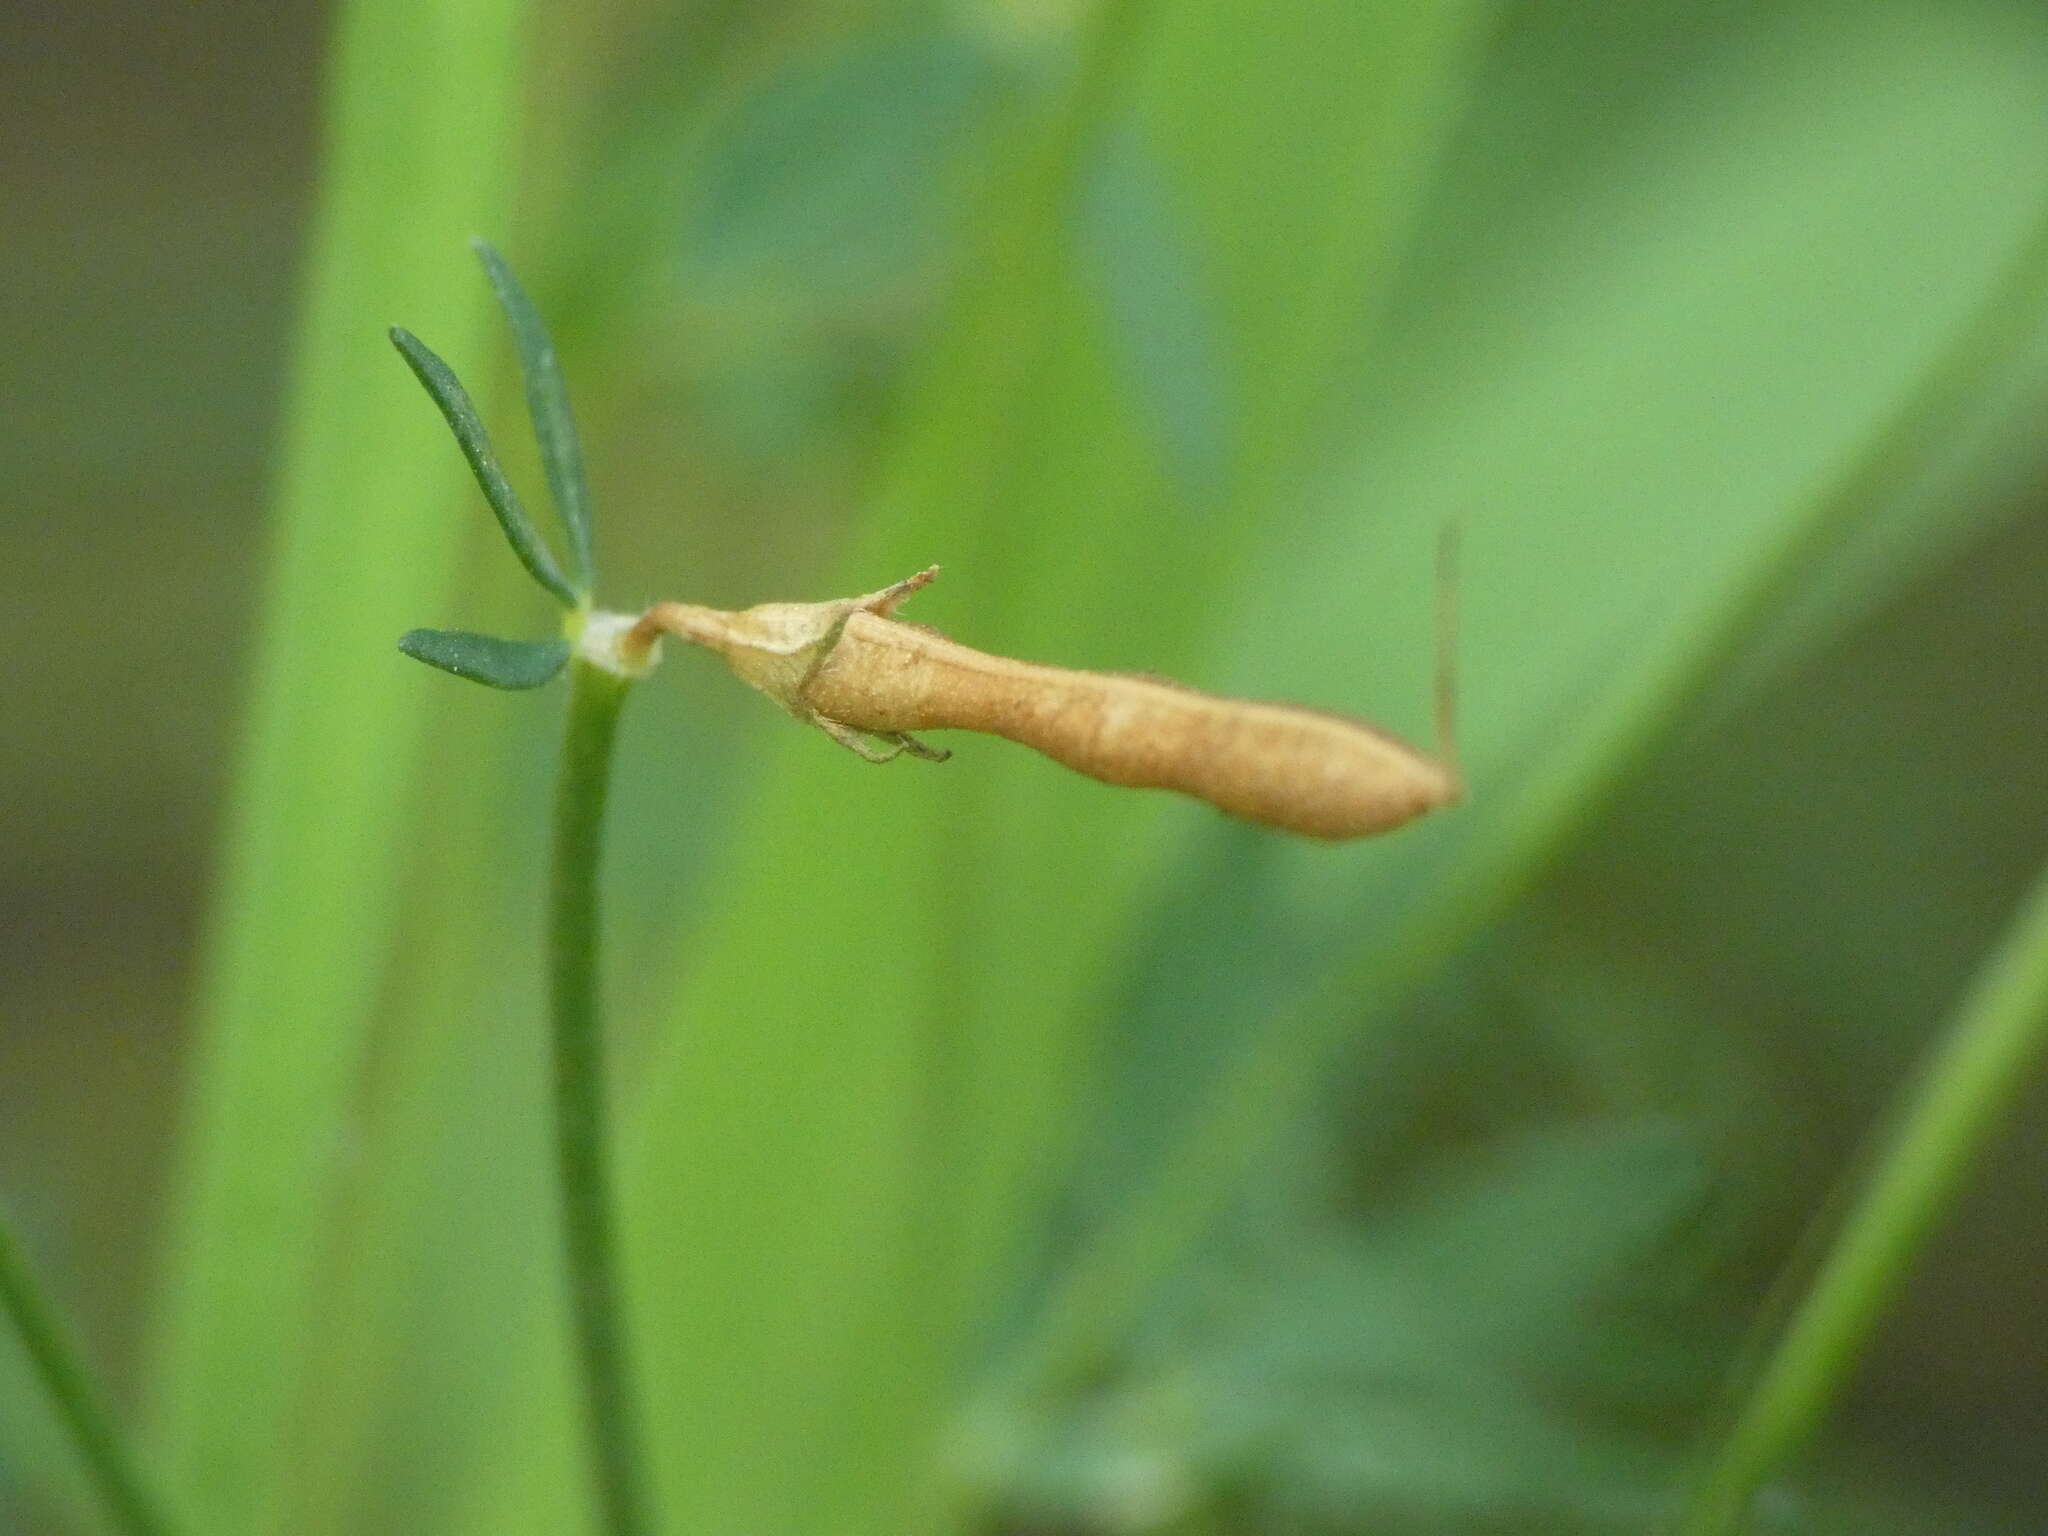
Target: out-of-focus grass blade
1992 1051
447 1268
547 401
440 382
40 1468
421 102
1966 460
487 658
30 1318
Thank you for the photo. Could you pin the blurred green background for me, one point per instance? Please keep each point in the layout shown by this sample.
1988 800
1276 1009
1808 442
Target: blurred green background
1007 1153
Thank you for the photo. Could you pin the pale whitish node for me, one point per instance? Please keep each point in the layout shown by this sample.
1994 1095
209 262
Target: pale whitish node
599 644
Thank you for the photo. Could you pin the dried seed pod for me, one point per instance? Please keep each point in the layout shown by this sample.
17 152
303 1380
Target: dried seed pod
853 669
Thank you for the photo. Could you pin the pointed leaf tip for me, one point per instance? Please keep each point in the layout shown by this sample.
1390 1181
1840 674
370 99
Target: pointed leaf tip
487 659
547 401
439 381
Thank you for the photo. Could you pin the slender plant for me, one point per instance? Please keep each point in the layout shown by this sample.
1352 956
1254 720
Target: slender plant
601 666
132 1502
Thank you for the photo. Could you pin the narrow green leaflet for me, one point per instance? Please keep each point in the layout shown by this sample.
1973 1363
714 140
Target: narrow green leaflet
486 658
440 382
547 399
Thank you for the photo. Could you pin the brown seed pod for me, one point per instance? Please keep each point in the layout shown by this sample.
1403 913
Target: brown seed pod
860 674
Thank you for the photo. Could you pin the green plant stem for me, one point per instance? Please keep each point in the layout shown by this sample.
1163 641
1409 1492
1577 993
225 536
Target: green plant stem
581 1149
1958 1104
78 1402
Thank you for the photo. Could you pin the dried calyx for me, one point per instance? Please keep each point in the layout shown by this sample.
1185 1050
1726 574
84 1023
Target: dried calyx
781 648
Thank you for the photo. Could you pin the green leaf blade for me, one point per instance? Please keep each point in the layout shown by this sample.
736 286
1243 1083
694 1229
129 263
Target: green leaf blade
439 381
547 401
487 659
1991 1047
308 910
